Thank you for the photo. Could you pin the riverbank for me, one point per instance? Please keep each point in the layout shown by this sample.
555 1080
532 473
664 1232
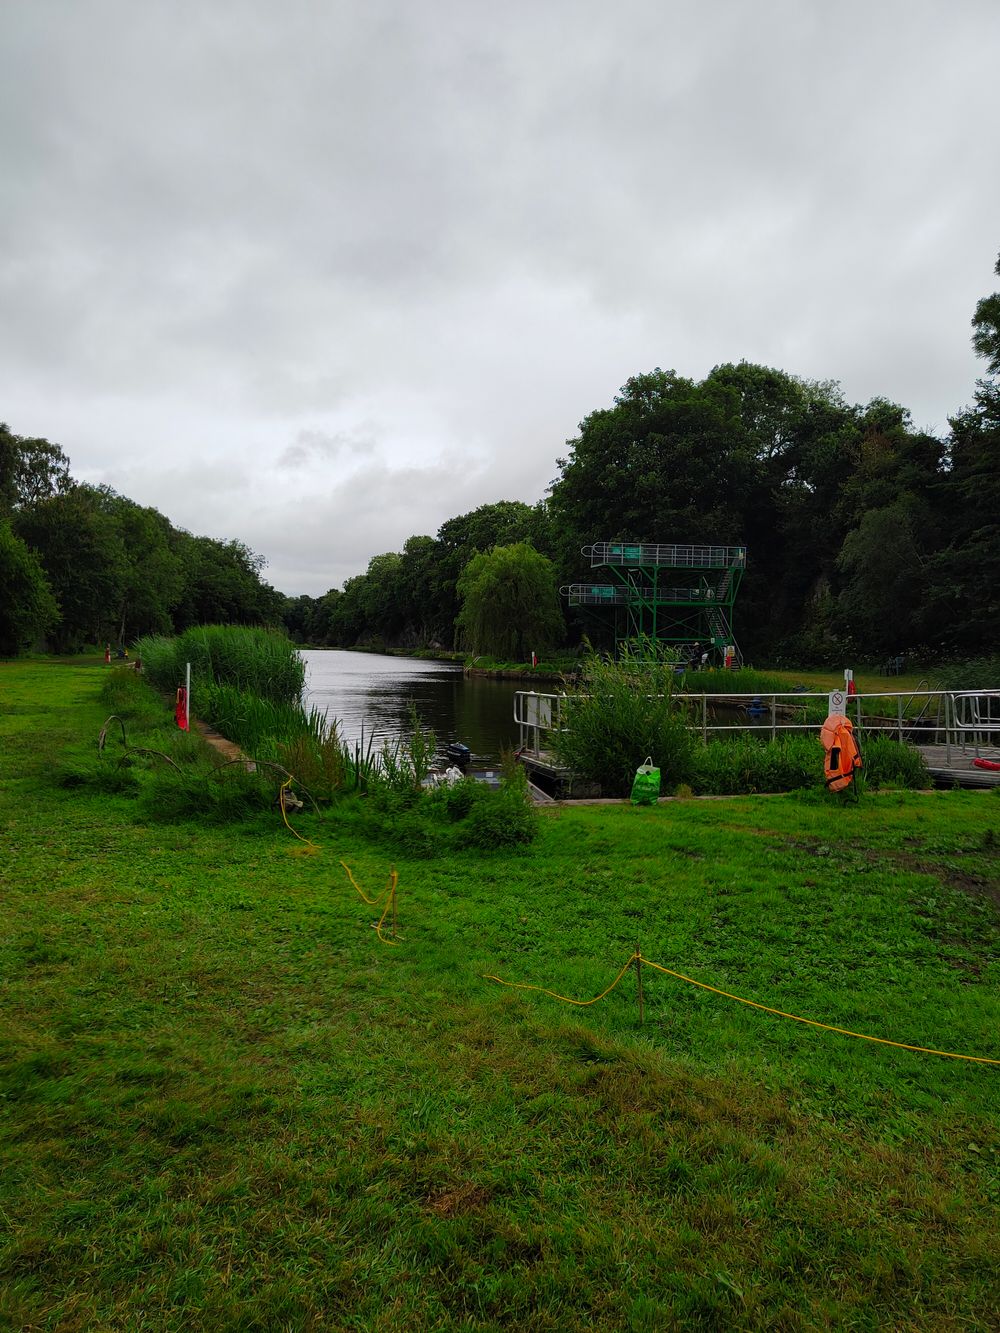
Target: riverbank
227 1104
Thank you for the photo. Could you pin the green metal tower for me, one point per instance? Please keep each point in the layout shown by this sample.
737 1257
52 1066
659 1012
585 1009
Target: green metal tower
677 595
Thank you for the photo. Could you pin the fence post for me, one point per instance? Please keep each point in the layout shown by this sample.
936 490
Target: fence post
638 978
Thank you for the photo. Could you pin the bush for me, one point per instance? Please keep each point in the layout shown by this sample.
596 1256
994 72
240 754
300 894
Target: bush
746 764
887 763
626 713
455 802
504 817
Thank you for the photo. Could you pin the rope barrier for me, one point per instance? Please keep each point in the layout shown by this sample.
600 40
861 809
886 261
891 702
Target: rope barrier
638 958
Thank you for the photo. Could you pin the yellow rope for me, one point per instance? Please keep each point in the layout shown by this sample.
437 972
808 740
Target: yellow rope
281 802
389 895
520 985
781 1013
372 902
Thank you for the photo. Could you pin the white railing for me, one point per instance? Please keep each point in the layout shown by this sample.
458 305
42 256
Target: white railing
957 719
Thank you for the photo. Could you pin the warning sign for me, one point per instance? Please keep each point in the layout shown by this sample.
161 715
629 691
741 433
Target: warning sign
838 702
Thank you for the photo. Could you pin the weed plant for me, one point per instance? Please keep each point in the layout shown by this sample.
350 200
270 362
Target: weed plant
745 680
747 764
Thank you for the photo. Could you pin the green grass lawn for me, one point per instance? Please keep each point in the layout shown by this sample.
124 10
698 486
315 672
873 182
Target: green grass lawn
225 1105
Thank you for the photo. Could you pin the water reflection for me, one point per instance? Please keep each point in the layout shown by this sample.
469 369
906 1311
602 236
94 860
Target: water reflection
375 693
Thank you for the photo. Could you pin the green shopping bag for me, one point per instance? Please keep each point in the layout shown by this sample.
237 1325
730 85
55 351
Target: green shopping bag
646 787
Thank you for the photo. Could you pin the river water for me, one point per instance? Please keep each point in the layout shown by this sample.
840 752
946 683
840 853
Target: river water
375 693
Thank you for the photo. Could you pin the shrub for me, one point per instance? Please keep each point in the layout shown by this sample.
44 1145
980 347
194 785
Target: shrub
744 764
625 714
504 817
887 763
455 802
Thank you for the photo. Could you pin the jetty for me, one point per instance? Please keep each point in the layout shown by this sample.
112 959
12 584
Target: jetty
952 729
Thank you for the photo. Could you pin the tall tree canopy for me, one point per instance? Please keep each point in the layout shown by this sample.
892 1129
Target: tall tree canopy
30 470
509 602
986 326
27 608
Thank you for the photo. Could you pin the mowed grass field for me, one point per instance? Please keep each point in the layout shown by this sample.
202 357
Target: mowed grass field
225 1105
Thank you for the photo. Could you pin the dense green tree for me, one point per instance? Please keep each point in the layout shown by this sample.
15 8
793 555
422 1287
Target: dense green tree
381 597
27 608
881 559
221 583
85 562
509 602
30 470
153 572
502 523
965 571
986 323
322 616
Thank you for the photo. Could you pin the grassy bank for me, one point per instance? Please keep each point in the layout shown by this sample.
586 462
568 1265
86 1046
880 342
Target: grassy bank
226 1105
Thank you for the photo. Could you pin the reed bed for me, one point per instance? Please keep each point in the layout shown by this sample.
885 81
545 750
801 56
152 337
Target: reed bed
255 661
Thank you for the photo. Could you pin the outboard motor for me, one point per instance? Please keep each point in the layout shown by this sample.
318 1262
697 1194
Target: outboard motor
458 754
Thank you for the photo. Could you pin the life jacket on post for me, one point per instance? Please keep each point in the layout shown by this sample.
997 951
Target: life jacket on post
843 755
180 709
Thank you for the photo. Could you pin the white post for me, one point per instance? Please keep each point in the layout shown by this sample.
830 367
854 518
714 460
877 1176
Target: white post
187 698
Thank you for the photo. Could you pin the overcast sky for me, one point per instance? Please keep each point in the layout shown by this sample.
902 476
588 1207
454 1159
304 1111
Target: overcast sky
320 274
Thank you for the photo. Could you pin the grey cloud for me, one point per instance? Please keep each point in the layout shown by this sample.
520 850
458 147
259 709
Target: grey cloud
246 240
317 446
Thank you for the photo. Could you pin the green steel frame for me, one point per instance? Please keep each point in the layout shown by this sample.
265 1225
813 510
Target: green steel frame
668 593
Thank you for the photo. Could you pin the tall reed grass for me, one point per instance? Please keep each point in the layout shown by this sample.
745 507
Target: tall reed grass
261 662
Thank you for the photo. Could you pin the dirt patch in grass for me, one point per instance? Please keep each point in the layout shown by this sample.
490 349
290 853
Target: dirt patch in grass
464 1198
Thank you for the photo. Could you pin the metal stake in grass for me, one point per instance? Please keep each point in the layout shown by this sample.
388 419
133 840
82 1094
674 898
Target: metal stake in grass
638 980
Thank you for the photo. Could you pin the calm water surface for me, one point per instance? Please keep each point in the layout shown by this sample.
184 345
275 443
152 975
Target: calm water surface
376 693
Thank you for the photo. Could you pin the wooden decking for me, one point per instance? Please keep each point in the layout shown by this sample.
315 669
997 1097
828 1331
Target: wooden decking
953 765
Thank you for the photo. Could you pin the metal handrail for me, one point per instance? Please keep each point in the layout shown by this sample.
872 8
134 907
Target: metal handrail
963 721
662 553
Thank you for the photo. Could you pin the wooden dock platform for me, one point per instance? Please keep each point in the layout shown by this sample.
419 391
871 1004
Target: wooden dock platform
953 766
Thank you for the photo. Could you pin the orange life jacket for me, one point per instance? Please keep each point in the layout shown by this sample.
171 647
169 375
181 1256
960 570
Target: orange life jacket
843 757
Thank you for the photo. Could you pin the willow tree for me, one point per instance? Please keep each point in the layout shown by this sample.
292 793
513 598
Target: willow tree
509 603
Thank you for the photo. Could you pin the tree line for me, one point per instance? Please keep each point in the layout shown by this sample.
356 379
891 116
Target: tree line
865 535
82 565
